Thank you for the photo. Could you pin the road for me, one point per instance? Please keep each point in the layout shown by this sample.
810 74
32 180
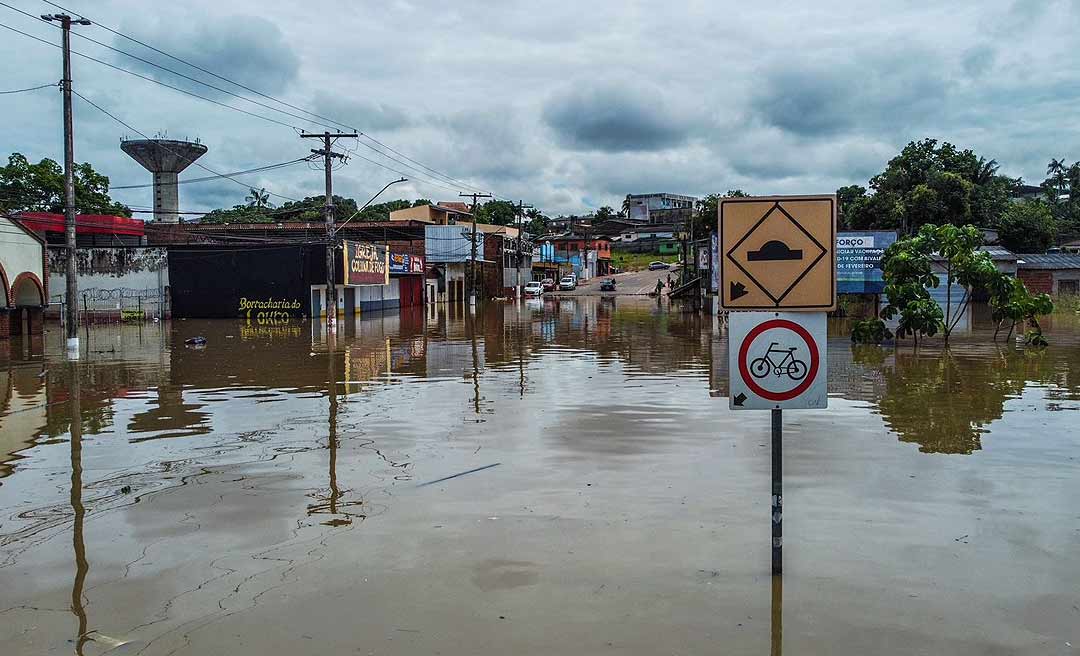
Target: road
629 283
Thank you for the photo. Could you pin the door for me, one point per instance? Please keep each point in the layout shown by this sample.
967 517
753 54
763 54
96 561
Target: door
350 302
316 302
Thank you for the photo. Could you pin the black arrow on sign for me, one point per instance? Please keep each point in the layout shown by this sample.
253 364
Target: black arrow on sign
739 398
738 290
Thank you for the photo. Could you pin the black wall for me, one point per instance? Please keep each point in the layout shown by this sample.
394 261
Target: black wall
212 282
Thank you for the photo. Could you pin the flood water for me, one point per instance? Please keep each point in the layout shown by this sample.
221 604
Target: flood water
268 494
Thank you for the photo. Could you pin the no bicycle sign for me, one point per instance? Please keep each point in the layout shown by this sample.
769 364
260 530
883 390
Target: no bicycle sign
776 360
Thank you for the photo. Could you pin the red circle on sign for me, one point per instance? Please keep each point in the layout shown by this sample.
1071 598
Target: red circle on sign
811 346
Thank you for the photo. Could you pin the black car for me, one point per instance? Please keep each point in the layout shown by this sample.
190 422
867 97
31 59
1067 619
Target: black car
608 285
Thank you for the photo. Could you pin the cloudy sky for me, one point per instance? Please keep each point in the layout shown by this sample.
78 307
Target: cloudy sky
567 105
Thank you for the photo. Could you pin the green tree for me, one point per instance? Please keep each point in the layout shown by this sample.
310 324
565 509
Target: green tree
949 254
497 212
536 222
1027 227
851 203
605 213
40 188
928 183
1062 191
258 198
420 202
706 210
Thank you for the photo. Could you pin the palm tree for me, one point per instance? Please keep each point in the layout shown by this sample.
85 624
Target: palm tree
258 198
985 171
626 204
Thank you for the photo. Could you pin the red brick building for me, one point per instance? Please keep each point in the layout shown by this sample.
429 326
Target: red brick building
1050 273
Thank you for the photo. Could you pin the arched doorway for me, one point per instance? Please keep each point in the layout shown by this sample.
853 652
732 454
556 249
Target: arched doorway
28 301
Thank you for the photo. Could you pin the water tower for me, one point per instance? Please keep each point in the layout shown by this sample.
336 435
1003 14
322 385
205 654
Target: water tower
165 158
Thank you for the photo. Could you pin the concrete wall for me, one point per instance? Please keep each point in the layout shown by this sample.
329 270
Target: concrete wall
367 298
115 279
19 253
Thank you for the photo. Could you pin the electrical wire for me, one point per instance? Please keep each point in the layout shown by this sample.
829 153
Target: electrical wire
437 173
202 166
207 178
43 86
150 79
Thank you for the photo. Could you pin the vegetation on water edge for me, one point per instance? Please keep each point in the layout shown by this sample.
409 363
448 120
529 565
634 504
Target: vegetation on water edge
1067 304
949 254
639 261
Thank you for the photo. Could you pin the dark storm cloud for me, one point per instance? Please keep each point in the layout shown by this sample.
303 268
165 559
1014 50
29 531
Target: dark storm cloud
252 50
362 114
864 92
615 118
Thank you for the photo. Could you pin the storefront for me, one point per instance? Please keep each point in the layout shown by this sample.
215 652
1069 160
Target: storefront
407 270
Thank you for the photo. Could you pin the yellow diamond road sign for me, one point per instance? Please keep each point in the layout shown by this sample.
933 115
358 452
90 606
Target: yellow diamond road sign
778 253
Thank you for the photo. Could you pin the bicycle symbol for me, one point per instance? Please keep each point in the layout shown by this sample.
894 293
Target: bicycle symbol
789 364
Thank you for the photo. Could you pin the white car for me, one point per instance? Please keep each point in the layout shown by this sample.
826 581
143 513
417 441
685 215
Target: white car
568 283
534 288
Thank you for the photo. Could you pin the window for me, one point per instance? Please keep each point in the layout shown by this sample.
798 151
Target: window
1068 287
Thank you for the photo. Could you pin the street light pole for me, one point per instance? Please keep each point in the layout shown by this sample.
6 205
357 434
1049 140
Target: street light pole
71 295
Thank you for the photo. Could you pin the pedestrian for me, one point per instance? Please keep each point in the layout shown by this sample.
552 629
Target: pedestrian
670 284
659 287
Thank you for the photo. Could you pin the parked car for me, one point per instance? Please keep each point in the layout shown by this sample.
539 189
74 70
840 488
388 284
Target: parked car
608 285
534 288
548 283
568 283
653 266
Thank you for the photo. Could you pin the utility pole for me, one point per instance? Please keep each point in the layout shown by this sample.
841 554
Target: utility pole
328 213
521 207
71 316
471 284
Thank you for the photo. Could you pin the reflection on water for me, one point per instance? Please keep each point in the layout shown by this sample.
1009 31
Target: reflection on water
207 468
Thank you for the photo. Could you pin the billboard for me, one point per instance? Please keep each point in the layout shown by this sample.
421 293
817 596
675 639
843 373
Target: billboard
858 261
365 264
401 263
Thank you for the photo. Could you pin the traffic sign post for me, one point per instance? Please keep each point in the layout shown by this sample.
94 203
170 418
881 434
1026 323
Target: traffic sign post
778 253
777 360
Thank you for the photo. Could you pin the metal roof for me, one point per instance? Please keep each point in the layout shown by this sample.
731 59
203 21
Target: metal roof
1048 261
999 253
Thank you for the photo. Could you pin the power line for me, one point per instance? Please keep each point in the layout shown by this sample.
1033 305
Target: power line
167 69
458 184
43 86
201 166
437 173
150 79
268 167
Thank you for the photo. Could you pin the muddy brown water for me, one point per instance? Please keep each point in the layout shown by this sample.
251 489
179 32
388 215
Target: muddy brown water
220 501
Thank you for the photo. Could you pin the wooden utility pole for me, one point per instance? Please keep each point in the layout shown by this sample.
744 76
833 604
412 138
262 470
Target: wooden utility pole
71 308
328 213
521 207
471 284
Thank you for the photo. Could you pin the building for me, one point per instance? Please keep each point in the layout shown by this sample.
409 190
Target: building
24 274
502 260
119 277
91 230
270 284
441 214
659 208
586 257
1051 273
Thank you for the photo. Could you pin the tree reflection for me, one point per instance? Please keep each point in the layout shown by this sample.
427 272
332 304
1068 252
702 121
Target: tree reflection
943 402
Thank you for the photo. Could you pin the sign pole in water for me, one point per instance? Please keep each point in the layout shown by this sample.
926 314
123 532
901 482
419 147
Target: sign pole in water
778 276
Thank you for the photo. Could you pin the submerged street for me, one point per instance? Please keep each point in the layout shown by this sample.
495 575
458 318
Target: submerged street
268 493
